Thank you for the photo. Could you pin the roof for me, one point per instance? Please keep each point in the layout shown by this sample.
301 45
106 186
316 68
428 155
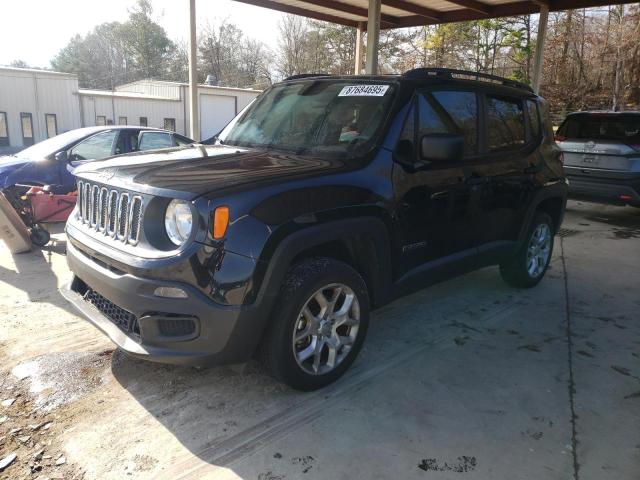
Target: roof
185 84
37 70
423 74
405 13
119 94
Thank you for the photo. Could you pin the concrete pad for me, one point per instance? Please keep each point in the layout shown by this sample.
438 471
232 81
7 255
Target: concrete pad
467 379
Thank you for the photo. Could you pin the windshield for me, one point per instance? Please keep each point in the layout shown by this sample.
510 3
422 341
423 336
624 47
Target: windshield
52 145
623 128
321 117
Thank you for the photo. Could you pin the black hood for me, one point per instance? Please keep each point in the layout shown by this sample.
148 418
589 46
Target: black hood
189 172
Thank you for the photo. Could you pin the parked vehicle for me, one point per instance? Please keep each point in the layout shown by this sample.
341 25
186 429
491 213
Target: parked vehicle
602 156
328 197
51 161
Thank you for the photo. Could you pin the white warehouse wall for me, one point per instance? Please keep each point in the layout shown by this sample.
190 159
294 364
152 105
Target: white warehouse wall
38 92
41 92
114 105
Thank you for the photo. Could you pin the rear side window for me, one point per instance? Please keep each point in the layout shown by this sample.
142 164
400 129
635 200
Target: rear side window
624 128
533 118
450 112
505 124
155 140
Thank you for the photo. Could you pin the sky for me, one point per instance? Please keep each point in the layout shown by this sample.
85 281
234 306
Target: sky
35 30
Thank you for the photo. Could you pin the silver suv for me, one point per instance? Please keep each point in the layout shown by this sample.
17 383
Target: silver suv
602 155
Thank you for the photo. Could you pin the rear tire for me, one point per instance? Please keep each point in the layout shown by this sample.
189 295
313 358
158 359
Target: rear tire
528 266
318 324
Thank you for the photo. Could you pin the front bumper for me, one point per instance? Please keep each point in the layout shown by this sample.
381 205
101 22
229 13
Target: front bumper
219 334
619 188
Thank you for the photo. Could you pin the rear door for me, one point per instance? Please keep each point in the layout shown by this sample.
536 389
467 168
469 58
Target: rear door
511 135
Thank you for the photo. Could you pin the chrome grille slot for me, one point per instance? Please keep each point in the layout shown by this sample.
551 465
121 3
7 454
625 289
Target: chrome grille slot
95 192
102 213
134 219
80 199
87 202
123 216
110 212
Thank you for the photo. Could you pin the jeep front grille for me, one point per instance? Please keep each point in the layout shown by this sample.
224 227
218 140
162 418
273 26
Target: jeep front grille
111 212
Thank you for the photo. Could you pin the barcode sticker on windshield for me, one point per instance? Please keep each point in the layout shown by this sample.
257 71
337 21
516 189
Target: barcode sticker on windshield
363 91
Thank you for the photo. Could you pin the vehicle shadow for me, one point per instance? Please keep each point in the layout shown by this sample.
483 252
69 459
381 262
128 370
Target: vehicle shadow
219 415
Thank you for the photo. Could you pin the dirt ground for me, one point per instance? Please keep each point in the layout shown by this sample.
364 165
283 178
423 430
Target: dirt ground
467 379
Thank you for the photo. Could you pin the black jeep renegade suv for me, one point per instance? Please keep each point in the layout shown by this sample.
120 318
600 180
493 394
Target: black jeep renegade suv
326 197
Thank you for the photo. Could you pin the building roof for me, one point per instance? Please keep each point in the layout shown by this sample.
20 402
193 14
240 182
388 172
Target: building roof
37 70
118 94
185 84
405 13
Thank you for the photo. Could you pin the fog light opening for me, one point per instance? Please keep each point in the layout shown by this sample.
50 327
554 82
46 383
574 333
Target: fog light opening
170 292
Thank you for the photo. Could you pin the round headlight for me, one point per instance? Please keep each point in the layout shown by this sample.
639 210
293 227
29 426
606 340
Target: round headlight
178 221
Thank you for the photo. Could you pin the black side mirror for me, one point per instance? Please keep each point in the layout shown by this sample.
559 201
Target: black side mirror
441 147
62 156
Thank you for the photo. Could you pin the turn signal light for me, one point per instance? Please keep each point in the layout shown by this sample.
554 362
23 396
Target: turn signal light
220 222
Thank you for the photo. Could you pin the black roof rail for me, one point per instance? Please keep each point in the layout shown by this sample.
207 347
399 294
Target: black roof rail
418 73
306 75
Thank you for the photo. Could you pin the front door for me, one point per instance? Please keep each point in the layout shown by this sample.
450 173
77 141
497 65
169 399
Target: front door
436 203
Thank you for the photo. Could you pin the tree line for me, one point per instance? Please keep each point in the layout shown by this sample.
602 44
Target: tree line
592 56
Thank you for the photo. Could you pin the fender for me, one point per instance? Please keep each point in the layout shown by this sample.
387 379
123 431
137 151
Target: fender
275 269
557 190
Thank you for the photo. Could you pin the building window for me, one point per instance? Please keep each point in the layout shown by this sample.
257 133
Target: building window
101 120
52 124
27 129
170 124
4 130
109 121
122 120
143 122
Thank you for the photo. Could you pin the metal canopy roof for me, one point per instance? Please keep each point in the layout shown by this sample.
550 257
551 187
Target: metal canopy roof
404 13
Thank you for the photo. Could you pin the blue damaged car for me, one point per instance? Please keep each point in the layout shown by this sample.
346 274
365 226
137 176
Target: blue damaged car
51 162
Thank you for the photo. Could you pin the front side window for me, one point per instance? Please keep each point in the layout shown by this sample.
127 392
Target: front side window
4 130
155 140
170 124
505 124
26 122
451 112
94 148
319 117
52 125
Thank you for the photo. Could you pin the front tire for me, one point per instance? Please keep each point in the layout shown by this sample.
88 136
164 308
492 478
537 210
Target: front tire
528 266
318 324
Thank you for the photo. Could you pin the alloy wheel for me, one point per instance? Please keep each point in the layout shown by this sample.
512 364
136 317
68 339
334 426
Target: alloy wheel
326 329
539 250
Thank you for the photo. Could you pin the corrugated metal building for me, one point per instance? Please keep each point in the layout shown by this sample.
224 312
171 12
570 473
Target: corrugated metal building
164 105
37 104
